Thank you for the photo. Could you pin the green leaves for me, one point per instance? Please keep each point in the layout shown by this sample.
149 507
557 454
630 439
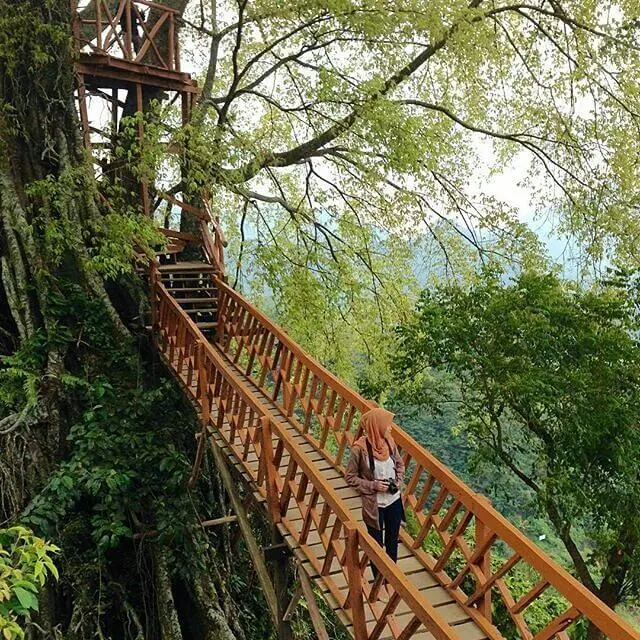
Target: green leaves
25 564
406 112
547 378
123 461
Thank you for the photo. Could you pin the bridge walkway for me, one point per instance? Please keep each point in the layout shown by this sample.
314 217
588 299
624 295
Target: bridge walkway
286 424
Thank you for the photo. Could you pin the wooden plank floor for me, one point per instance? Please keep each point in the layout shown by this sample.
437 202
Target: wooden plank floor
408 560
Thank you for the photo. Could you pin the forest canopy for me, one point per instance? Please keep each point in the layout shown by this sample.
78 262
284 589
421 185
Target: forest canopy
329 133
546 380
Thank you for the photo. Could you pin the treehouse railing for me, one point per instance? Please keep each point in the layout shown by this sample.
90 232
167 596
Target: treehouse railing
133 30
471 549
211 235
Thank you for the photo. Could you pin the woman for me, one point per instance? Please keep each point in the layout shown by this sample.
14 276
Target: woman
373 463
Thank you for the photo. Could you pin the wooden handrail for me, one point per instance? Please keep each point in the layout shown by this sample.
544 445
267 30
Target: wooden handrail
180 235
188 208
213 243
308 393
158 7
313 365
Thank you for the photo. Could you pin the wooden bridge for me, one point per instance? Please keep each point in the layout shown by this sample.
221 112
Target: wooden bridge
284 425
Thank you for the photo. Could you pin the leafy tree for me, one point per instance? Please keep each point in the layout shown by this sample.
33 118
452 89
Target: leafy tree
325 129
383 114
547 377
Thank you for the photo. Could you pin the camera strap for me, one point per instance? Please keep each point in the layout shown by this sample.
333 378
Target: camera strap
371 463
370 453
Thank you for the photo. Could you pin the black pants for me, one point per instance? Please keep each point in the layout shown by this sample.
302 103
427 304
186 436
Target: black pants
387 535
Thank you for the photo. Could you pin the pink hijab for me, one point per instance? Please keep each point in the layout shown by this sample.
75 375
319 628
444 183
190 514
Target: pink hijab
374 423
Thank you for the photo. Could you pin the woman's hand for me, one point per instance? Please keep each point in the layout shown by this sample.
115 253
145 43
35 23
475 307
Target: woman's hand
381 486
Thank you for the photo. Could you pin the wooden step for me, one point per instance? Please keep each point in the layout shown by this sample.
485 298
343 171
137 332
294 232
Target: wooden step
206 325
196 300
195 277
192 311
187 266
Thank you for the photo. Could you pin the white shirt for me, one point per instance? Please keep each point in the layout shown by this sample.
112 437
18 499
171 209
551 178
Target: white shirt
383 470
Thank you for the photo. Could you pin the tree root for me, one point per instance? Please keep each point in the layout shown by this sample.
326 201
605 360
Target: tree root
167 614
207 601
133 620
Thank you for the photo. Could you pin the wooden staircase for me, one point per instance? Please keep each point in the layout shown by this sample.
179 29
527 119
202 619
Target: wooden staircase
191 285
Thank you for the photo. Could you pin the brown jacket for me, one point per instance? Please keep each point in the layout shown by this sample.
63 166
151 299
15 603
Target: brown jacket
358 475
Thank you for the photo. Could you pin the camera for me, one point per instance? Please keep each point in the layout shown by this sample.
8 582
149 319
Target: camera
393 487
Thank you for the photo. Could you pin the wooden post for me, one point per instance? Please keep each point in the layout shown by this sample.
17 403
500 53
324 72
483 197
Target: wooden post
312 606
144 189
185 108
99 24
84 112
484 563
176 55
129 31
281 575
355 600
271 484
114 117
245 527
77 26
203 398
222 301
171 46
153 283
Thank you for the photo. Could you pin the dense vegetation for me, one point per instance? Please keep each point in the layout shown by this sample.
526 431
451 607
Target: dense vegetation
545 377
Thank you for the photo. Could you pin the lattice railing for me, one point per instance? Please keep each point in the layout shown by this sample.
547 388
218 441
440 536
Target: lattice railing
211 236
132 30
474 552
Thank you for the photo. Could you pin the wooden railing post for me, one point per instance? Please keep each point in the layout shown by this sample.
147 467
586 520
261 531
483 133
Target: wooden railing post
484 563
202 395
176 57
171 43
355 598
270 481
203 383
128 36
222 307
153 283
99 24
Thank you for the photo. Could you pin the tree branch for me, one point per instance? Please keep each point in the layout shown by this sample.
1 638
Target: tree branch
296 154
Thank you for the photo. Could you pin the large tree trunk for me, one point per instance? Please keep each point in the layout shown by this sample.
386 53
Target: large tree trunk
61 327
49 214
